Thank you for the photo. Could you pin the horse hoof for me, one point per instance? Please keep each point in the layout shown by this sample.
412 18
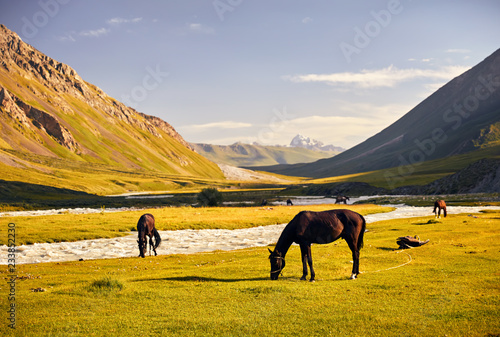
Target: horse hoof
303 278
312 280
353 277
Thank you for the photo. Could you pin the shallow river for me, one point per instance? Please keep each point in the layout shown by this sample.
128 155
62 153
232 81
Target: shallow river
187 241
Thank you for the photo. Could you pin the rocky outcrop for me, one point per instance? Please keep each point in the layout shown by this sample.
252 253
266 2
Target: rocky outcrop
167 128
28 116
48 123
10 108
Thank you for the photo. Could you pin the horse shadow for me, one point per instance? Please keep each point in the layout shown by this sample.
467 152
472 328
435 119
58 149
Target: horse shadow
194 278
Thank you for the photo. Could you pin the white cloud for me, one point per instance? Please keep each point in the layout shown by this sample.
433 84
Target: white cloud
458 51
200 28
94 33
217 125
67 37
385 77
119 21
307 20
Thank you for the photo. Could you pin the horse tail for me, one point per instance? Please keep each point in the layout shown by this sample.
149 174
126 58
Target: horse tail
157 238
444 211
362 234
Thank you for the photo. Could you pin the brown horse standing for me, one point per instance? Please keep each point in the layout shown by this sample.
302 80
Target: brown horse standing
319 227
440 205
146 226
341 199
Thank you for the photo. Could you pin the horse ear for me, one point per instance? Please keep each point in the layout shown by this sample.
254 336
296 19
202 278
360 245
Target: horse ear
269 250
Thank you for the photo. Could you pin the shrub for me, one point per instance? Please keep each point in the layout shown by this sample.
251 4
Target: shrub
105 284
209 197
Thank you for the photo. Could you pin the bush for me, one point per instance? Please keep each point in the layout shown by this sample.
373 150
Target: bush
105 284
209 197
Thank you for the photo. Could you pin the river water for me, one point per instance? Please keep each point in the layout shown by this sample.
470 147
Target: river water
187 241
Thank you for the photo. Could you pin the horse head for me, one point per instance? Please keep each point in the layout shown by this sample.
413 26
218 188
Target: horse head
142 247
277 264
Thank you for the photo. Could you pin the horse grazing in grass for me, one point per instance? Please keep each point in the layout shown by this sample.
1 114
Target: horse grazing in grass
289 202
146 226
341 199
439 205
319 227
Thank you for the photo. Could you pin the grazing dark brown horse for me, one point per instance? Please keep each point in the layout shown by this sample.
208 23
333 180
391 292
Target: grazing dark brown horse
289 202
146 226
319 227
440 205
341 199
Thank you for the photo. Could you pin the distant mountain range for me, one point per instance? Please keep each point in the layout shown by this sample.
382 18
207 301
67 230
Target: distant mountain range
48 111
313 144
461 117
301 150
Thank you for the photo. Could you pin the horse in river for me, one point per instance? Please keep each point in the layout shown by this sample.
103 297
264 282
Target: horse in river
319 227
341 199
439 205
146 227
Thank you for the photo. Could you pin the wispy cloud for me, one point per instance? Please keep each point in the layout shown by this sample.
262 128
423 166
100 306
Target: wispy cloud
458 51
119 21
385 77
218 125
95 32
307 20
112 23
200 28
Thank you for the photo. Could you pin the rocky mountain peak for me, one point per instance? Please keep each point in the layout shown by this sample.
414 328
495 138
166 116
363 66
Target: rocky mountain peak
313 144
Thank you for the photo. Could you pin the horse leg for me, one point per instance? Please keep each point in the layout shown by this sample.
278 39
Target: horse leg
151 246
303 254
355 258
305 250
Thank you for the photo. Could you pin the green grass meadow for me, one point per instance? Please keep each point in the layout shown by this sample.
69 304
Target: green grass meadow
448 287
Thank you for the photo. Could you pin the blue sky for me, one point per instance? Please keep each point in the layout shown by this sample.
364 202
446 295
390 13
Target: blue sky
222 71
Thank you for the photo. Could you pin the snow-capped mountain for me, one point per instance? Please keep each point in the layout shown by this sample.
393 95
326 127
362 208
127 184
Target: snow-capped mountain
313 144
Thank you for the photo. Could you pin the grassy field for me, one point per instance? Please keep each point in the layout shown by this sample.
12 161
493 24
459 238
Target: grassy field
448 287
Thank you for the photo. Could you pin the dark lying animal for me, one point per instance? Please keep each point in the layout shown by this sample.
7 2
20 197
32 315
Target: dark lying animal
319 227
264 202
440 205
410 242
341 199
146 227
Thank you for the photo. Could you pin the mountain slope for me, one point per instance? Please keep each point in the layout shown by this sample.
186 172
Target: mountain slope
247 155
47 109
460 117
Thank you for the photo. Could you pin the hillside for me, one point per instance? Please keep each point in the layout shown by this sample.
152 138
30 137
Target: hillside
50 118
462 116
248 155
